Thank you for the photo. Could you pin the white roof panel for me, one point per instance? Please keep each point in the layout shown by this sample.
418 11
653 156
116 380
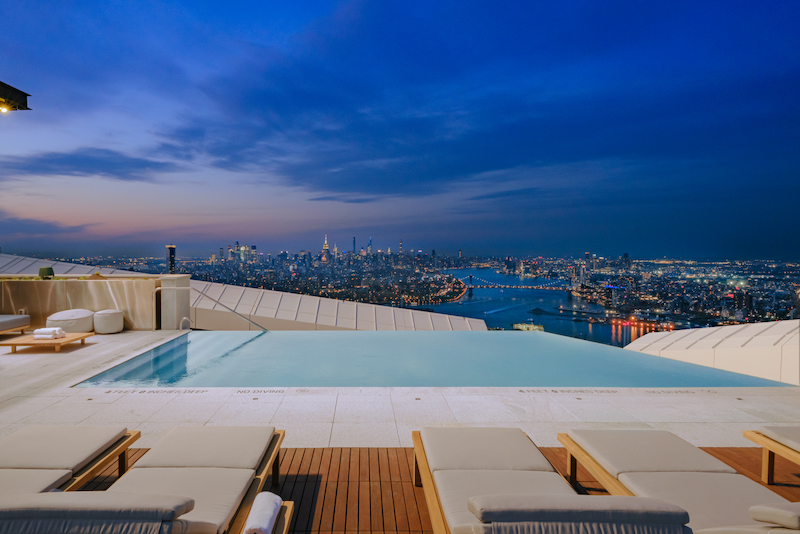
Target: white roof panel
440 322
309 304
328 307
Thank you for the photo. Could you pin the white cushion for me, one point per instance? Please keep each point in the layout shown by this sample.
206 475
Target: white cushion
56 447
645 451
17 481
456 486
217 493
72 321
238 447
108 321
482 448
712 499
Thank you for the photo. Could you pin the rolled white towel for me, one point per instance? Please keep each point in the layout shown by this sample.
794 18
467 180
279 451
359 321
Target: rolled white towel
263 514
48 331
45 336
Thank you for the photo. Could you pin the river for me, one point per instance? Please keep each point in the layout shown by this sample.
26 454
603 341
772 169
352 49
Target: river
559 314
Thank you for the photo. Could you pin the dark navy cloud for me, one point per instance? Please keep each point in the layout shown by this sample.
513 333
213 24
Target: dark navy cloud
86 162
13 226
344 199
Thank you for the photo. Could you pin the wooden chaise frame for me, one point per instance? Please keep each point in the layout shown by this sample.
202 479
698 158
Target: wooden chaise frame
423 477
575 454
117 451
770 448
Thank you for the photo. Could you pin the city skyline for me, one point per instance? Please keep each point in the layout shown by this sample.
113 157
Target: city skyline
523 130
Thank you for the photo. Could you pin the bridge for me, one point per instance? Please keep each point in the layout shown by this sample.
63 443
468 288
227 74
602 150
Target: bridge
485 284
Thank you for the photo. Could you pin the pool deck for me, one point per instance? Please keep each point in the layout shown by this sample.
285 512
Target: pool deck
35 389
371 490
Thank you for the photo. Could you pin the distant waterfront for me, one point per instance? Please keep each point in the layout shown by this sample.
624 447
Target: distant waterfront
500 308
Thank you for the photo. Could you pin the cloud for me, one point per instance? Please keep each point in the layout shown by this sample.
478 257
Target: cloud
15 228
503 195
86 162
344 199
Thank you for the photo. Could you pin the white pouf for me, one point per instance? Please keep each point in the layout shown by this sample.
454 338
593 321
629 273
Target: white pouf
72 321
108 321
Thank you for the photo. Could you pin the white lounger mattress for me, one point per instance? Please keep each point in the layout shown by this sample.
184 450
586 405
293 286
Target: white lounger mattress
712 499
16 481
217 492
56 447
455 487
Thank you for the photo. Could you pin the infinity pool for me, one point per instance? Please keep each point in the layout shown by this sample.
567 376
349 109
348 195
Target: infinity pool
404 359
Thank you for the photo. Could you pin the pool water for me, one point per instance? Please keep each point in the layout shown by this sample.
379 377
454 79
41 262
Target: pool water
404 359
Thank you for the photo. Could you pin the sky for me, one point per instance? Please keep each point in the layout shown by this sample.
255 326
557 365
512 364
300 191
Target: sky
660 129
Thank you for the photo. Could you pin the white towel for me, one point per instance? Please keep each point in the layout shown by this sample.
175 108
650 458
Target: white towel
44 336
263 514
48 331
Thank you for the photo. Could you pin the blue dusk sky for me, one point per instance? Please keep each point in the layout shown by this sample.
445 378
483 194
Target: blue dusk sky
527 128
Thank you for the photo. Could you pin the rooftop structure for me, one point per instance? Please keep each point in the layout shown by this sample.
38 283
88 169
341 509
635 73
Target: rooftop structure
767 350
216 306
12 98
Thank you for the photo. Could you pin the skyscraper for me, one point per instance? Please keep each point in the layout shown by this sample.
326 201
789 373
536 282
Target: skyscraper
401 247
171 259
369 247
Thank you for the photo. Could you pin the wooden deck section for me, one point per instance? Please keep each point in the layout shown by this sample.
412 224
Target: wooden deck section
349 490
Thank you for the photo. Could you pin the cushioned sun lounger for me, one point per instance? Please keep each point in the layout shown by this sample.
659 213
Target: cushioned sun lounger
41 458
91 512
495 480
199 480
221 468
781 440
14 323
656 463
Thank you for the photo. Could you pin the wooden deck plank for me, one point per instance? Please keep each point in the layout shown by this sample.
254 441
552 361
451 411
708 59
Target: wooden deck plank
363 464
404 465
354 464
333 471
374 466
344 465
397 498
412 510
383 465
340 513
387 506
394 465
375 507
371 491
364 519
351 519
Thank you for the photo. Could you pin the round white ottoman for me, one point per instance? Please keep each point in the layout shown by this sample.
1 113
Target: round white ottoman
73 321
108 321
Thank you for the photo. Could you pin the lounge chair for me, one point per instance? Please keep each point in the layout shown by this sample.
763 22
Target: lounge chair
41 458
14 323
495 480
195 480
657 463
781 440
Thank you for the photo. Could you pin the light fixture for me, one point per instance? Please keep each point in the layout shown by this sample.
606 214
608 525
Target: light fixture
3 110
